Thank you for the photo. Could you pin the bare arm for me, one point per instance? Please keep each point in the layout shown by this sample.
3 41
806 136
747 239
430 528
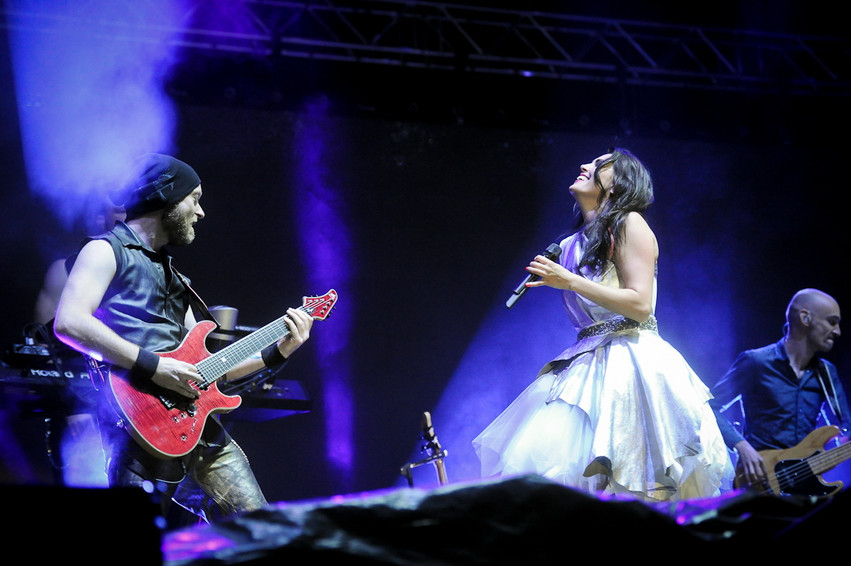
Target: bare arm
75 322
636 261
48 297
76 325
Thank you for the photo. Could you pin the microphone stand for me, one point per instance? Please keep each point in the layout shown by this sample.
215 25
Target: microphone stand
436 454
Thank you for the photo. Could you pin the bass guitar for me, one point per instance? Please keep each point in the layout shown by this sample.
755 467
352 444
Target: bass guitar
168 424
797 470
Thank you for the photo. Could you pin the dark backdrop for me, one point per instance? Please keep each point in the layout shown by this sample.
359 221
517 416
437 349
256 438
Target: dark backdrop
444 187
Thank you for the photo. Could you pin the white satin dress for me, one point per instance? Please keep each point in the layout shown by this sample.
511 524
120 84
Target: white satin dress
619 412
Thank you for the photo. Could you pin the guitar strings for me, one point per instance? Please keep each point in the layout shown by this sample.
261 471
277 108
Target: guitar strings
218 363
787 478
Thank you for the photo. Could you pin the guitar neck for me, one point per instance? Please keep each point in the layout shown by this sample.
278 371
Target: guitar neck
829 459
223 361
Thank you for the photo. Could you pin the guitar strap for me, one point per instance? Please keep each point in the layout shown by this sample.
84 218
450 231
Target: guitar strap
197 301
824 377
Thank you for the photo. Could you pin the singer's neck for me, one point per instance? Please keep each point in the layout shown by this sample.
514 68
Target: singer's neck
589 216
590 207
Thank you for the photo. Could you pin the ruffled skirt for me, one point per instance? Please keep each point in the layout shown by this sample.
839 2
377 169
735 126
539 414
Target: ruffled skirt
628 417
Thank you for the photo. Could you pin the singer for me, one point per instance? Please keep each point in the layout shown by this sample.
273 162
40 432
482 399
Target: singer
620 412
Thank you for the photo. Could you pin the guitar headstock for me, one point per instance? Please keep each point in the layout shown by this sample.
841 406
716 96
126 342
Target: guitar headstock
320 307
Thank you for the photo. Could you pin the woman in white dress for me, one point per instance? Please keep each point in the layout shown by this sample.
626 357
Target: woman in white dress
620 411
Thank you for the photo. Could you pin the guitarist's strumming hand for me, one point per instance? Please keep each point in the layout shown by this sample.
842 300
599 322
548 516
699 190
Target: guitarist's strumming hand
751 466
299 323
175 375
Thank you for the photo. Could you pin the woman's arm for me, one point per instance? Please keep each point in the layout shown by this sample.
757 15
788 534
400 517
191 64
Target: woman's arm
635 259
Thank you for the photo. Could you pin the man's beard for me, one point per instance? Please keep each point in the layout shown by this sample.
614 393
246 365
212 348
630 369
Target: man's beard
178 226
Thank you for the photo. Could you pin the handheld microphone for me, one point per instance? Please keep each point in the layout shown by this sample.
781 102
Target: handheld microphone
553 252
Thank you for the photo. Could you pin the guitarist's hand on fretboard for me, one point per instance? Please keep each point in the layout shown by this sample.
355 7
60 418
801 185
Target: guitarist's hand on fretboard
299 323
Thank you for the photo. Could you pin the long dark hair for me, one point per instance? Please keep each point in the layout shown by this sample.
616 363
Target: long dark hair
632 192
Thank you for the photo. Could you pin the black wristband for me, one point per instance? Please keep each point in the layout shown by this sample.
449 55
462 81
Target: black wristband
272 357
145 365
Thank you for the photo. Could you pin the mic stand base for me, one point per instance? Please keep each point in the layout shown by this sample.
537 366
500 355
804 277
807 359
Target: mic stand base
435 459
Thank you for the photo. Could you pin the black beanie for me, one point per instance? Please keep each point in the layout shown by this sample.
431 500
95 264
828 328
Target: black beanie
163 181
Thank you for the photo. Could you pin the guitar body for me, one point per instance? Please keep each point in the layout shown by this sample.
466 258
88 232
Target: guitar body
796 470
168 424
163 422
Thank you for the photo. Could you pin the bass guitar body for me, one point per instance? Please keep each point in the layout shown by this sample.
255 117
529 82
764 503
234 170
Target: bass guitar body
797 470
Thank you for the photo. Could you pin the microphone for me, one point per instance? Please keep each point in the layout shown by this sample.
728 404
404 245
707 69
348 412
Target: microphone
553 252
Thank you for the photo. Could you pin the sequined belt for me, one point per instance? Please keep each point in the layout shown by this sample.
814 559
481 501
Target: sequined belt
617 325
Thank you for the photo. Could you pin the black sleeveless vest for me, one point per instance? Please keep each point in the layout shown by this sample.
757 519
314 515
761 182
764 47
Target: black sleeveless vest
145 302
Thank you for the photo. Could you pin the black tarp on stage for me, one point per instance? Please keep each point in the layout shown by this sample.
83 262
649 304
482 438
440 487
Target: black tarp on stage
517 521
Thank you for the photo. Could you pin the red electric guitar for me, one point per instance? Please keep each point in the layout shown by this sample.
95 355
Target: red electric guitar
168 424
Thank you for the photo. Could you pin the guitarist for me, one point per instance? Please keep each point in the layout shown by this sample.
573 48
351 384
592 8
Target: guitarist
784 386
123 302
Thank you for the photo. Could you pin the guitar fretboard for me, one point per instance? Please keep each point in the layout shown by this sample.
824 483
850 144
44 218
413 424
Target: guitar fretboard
829 459
218 364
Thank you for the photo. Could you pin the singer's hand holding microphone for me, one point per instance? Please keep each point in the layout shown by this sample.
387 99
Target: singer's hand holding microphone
553 253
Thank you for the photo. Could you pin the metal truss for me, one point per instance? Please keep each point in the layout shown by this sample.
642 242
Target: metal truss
512 43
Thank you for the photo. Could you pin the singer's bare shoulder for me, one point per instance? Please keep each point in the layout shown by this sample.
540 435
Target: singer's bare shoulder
639 238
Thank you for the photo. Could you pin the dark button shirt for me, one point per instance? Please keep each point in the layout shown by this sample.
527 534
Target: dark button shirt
779 408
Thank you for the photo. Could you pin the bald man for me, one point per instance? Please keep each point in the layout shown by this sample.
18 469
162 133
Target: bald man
784 386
